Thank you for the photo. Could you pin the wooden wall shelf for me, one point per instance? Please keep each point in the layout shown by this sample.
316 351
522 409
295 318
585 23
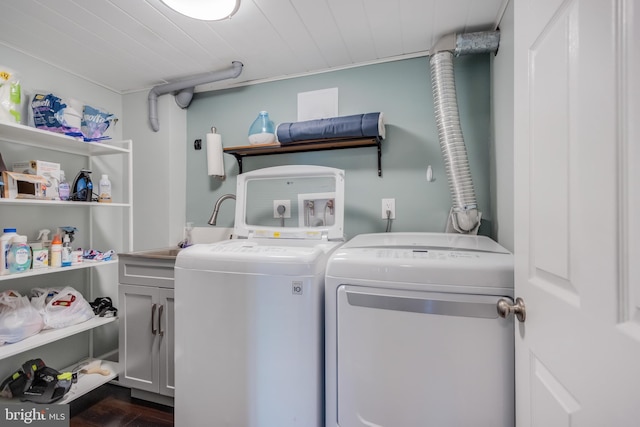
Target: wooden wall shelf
241 152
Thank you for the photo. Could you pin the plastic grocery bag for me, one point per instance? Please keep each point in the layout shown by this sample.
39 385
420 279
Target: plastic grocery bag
56 114
18 318
61 308
95 122
10 96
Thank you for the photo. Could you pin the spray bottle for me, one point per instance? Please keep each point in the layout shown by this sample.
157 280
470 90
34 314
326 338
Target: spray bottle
40 250
66 251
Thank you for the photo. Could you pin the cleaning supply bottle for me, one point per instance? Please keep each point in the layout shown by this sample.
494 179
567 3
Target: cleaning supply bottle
66 252
43 236
5 242
56 252
40 250
19 257
64 189
105 190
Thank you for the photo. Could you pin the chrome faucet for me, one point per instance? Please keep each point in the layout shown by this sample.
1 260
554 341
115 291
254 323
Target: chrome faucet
216 207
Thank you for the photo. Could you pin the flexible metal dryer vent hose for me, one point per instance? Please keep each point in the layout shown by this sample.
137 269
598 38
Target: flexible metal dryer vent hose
465 218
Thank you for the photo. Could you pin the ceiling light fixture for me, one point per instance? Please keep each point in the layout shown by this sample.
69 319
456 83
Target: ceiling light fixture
205 10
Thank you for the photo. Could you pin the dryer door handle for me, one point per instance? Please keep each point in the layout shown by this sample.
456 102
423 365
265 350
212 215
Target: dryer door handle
486 310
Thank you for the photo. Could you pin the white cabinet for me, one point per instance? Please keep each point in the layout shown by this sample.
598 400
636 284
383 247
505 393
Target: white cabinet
147 325
100 226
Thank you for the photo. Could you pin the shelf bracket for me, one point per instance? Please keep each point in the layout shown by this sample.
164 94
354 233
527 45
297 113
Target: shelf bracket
239 160
379 143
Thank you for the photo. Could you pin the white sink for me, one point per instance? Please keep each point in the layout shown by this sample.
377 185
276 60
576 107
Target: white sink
198 235
210 234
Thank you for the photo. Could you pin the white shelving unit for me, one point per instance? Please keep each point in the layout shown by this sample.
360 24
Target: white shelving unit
30 136
89 382
41 271
60 203
47 336
24 136
85 383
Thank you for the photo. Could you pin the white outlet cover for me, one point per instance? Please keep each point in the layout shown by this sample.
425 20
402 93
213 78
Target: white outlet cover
389 204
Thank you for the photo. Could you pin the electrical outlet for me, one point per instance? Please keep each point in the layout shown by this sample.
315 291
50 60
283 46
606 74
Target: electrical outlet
287 208
389 205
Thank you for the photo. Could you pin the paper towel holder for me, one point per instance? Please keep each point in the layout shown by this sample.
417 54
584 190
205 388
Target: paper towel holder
209 159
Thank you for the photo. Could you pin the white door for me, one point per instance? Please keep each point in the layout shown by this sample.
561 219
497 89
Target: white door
577 212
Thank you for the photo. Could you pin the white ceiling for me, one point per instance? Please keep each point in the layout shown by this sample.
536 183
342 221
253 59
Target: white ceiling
132 45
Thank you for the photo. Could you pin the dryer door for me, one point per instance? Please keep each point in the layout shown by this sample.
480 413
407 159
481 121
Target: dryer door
408 358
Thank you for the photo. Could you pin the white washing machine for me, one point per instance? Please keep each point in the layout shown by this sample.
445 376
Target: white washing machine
413 336
249 313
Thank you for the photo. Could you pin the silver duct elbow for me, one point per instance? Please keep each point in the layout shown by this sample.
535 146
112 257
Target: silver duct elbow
474 43
184 89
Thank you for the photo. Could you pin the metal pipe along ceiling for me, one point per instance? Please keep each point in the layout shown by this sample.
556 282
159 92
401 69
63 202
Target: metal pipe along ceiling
184 89
464 217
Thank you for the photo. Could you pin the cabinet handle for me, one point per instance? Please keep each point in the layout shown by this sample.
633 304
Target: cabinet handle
160 310
153 315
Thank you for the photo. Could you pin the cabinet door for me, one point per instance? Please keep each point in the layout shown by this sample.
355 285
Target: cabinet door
167 338
138 343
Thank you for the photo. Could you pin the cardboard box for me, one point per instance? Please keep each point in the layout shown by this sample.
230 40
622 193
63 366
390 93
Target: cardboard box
37 167
23 186
48 170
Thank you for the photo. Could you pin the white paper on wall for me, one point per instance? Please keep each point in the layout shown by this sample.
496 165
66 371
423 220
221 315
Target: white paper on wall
318 104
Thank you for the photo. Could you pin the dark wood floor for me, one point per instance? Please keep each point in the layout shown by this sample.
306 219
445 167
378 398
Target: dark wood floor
113 406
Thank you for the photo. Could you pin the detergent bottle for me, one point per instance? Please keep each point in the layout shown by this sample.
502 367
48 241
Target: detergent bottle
19 257
5 242
105 190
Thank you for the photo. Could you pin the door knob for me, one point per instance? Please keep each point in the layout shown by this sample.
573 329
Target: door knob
507 308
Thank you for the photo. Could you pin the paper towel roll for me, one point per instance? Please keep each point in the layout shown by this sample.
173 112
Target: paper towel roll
215 162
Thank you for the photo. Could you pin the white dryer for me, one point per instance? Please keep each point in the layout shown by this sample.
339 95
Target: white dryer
249 314
413 336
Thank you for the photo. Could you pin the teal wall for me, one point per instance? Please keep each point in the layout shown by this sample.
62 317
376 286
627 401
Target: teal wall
402 91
